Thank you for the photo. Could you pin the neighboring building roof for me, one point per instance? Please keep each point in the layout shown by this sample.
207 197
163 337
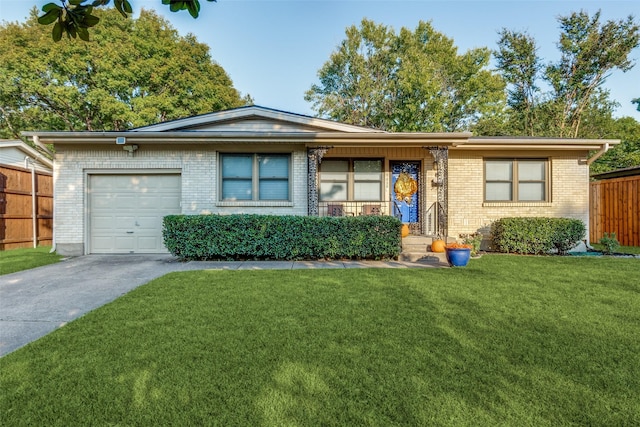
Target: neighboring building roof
14 153
618 173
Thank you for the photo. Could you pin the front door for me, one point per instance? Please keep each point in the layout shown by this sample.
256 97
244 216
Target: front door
405 194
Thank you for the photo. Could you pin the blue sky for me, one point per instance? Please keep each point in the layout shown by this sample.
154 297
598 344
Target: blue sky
273 49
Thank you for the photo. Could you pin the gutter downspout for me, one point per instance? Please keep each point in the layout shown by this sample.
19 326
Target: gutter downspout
34 200
600 152
593 158
36 140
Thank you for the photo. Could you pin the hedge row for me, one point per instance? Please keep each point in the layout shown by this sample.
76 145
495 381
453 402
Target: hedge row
273 237
536 235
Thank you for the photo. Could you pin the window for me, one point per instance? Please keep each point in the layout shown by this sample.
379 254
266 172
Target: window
516 180
345 179
255 176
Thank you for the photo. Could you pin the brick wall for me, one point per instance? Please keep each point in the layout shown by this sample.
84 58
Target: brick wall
569 191
198 169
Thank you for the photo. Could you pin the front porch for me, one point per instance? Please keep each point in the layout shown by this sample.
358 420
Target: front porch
409 184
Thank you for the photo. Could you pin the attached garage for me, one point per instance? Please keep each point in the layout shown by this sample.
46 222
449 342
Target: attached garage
126 211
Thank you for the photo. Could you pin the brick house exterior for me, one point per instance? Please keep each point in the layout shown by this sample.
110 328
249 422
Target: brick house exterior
113 188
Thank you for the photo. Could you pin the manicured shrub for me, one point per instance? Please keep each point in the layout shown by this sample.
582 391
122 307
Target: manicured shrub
610 243
274 237
536 235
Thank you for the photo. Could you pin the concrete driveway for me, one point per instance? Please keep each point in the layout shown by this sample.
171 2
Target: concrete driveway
38 301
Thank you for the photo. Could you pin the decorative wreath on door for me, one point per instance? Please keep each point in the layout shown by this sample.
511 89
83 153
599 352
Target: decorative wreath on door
405 187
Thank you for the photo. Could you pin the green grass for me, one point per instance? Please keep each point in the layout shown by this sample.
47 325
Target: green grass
508 340
13 260
634 250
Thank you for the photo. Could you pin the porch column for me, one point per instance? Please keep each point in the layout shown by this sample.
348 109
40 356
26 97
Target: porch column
314 157
441 156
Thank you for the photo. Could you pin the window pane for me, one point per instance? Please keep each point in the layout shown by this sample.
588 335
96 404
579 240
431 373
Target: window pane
274 189
334 170
367 191
531 170
531 191
236 189
333 191
498 170
500 191
273 166
236 166
367 170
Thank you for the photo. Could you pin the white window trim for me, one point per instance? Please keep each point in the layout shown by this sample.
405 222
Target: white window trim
255 182
351 179
515 181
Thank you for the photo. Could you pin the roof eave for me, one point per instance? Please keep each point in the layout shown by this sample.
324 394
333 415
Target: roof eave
356 139
553 144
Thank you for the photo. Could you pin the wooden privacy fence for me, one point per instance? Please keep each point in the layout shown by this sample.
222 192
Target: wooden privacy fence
17 208
615 208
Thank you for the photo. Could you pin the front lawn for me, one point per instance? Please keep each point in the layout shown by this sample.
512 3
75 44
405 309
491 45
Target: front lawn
13 260
508 340
631 250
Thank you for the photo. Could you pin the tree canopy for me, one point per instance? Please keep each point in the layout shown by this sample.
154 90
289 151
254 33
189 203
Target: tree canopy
134 72
76 17
406 81
590 50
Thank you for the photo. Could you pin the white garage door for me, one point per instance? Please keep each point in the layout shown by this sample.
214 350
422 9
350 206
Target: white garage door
126 211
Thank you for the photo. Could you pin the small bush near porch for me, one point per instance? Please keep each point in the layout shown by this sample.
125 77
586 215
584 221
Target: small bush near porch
509 340
274 237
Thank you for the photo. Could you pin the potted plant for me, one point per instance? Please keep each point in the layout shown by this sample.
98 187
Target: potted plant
473 239
458 254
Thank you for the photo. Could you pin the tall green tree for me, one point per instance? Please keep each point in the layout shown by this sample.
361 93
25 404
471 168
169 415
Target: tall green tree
411 81
133 73
518 60
357 84
589 52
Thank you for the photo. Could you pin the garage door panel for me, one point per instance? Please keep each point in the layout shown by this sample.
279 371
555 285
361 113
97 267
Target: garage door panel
124 243
102 243
147 243
102 222
148 222
126 211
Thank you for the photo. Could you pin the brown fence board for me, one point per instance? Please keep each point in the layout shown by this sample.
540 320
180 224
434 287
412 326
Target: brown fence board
615 208
16 208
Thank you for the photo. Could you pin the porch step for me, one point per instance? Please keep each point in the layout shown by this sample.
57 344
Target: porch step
417 249
434 258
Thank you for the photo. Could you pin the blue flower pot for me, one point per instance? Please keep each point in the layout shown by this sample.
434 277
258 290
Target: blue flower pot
458 257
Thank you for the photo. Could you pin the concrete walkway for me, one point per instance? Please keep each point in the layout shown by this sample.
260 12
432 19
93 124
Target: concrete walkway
38 301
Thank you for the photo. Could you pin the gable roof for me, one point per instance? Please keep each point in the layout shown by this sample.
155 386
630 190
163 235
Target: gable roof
14 153
260 125
252 118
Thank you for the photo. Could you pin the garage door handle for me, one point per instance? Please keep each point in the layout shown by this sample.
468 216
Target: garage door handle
129 232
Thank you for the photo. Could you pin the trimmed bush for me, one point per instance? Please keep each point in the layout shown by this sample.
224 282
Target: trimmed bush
536 235
274 237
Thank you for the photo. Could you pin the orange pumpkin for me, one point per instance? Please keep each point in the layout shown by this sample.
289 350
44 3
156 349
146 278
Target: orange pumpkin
438 245
404 232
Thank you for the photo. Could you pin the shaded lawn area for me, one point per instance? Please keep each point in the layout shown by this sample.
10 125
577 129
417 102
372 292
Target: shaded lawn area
509 340
13 260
